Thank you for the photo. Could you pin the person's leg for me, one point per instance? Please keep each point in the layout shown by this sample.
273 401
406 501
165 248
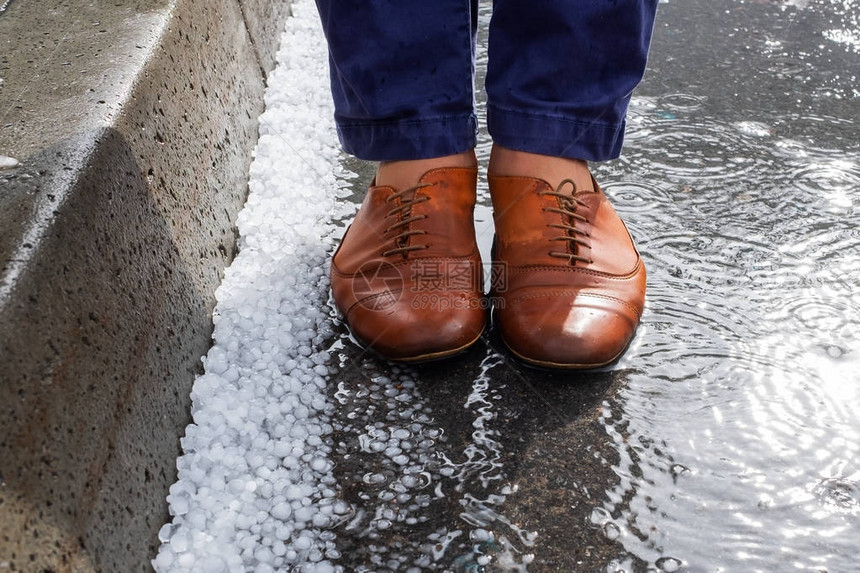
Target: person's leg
561 74
559 81
406 276
401 76
404 173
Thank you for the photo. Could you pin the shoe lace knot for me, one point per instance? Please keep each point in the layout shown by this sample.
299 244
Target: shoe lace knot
574 237
399 233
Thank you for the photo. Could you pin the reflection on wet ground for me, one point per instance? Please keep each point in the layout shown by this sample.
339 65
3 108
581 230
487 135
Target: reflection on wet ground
728 437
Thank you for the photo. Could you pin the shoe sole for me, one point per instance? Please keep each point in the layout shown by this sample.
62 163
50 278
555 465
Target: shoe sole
560 365
420 358
548 365
434 356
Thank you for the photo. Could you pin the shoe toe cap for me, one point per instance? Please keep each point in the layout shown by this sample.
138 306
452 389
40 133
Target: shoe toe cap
404 330
569 329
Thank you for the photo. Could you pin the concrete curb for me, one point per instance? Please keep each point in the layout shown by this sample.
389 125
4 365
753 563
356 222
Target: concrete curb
133 126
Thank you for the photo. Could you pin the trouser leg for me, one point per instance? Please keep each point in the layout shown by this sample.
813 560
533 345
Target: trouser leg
401 76
561 73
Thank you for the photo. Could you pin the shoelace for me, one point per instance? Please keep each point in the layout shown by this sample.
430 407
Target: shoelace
574 236
403 212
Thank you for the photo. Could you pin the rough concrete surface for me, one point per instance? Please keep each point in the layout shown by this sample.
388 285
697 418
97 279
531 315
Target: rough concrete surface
133 125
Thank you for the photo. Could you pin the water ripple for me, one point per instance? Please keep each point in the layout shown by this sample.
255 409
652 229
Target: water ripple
420 502
737 430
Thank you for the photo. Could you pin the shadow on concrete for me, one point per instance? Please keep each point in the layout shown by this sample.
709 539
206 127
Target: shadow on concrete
133 125
98 359
514 450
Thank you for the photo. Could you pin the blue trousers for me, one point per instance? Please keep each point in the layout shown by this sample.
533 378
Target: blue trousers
559 77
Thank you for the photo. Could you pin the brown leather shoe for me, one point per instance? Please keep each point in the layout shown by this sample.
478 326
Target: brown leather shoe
407 275
575 284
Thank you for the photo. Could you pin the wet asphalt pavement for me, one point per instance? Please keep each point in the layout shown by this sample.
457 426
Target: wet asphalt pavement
728 437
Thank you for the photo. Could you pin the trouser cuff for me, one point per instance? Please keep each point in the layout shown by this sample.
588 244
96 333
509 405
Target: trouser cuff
408 139
575 138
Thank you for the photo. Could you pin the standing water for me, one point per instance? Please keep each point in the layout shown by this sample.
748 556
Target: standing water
726 439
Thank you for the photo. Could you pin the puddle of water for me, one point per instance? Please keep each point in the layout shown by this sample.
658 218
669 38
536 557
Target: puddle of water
733 437
426 487
738 431
847 20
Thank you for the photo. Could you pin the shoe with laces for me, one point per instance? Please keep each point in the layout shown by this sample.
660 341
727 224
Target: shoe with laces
575 284
407 275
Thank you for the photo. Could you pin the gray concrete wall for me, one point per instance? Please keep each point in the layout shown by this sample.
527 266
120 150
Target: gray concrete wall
133 125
